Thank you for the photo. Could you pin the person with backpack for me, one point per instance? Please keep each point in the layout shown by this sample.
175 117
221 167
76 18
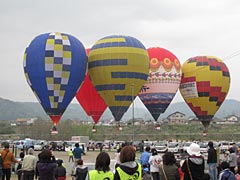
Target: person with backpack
80 171
1 172
8 158
226 173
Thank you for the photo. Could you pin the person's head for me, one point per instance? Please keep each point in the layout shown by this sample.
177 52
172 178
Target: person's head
59 162
102 162
6 145
147 148
21 155
77 145
45 155
231 150
127 154
154 151
226 153
210 144
224 165
169 158
80 162
194 150
30 151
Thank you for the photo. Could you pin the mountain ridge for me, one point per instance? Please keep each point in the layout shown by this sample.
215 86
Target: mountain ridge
10 110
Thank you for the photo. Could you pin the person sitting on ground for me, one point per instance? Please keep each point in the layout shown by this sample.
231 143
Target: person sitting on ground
128 167
226 173
102 168
80 171
60 173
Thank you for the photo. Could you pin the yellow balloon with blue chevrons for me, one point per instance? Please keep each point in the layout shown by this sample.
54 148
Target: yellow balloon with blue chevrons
118 67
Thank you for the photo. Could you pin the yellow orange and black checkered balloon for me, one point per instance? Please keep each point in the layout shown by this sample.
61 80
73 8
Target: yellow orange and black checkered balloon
204 85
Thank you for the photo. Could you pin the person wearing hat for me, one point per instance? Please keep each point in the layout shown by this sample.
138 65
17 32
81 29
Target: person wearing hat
212 161
29 165
193 166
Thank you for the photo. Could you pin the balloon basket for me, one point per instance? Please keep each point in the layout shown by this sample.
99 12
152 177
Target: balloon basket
94 130
54 132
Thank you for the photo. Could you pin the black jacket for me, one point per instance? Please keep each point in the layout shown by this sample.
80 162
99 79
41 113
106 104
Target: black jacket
212 155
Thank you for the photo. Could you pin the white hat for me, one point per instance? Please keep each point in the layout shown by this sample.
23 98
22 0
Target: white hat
194 149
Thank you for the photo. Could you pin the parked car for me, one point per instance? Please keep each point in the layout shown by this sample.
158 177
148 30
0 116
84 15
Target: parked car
203 147
186 146
161 146
173 147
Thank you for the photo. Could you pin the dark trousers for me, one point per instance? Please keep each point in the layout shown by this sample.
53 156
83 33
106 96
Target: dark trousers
7 174
28 175
155 175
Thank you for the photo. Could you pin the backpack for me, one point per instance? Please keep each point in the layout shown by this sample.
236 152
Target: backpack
81 173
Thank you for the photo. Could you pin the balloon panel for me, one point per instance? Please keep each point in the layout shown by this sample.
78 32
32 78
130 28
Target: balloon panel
90 100
205 84
55 66
118 67
163 81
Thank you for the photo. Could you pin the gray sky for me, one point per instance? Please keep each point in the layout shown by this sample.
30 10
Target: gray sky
185 27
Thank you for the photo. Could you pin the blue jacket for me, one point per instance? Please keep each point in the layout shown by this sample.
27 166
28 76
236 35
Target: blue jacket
77 153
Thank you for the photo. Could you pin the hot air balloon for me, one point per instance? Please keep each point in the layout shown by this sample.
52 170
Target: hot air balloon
118 67
55 66
163 81
204 86
90 100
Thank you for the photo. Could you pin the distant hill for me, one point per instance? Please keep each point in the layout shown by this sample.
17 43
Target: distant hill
10 110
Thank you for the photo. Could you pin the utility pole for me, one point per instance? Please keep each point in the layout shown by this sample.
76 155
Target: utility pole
133 138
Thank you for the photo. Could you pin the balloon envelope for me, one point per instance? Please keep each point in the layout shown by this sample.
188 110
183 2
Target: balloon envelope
204 86
118 67
55 66
90 100
163 81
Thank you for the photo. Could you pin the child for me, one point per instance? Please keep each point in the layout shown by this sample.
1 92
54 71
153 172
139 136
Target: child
19 166
60 173
81 171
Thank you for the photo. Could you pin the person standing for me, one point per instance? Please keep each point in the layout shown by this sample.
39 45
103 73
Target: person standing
232 160
46 166
128 167
155 162
8 158
144 159
212 161
29 165
102 168
169 169
70 154
193 166
19 166
81 171
60 173
77 153
1 172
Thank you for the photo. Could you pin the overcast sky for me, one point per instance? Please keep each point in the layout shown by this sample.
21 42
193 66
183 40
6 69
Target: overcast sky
185 27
